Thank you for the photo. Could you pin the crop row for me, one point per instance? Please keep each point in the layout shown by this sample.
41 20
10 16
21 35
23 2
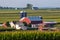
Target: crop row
29 35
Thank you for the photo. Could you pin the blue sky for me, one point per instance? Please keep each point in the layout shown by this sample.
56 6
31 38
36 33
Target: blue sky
37 3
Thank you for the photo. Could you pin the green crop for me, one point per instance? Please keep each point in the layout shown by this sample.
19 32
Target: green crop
29 35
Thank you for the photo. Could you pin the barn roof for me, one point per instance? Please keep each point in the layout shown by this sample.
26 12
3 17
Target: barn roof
35 18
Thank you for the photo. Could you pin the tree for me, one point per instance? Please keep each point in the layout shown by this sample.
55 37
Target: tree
29 6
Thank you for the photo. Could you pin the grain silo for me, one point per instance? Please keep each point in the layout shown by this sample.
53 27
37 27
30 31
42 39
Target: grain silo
23 14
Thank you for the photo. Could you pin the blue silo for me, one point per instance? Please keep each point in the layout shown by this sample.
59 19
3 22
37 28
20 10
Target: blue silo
23 14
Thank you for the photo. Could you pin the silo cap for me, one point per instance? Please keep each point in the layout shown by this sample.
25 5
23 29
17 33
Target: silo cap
22 11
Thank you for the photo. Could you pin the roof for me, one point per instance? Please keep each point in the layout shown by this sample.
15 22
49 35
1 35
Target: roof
35 18
25 19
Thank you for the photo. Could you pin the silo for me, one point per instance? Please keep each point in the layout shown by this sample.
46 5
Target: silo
23 14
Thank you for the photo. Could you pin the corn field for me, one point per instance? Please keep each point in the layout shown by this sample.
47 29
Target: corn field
30 35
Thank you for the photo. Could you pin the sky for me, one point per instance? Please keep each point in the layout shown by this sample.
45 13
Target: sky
36 3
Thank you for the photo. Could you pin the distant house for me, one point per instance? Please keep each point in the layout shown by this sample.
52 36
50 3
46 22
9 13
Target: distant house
35 8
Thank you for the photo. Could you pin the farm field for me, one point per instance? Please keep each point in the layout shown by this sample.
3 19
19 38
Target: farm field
14 15
48 15
30 35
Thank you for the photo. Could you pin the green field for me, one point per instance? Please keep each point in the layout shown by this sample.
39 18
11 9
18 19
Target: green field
30 35
13 15
48 15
